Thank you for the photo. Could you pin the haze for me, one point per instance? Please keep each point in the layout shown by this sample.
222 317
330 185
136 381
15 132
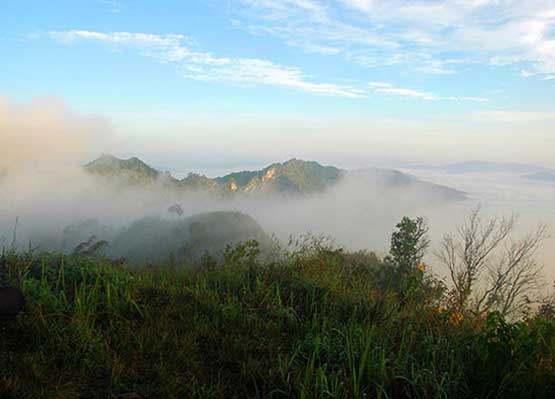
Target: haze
219 86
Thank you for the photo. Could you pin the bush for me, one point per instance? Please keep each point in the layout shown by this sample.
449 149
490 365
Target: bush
317 323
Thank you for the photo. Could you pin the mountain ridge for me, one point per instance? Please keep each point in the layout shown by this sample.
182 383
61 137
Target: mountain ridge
547 176
292 177
480 166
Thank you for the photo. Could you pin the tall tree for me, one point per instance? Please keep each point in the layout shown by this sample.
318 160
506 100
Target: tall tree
409 243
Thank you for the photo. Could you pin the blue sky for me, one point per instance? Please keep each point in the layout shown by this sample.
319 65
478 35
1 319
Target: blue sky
191 73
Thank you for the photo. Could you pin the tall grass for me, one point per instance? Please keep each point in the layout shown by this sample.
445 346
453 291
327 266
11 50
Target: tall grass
320 323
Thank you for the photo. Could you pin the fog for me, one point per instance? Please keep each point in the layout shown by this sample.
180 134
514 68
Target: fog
505 193
43 145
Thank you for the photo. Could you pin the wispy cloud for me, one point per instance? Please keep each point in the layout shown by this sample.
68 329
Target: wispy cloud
408 93
199 65
388 89
503 116
379 84
191 63
113 5
420 35
526 74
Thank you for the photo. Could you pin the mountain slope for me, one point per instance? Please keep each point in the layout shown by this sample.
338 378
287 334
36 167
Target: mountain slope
393 179
130 169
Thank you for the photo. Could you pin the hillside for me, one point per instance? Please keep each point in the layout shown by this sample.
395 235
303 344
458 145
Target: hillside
318 323
155 240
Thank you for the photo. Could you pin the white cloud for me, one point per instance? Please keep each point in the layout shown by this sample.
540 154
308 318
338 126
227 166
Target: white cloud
481 100
526 74
123 38
178 50
408 93
549 77
379 84
503 116
251 71
388 89
417 33
113 5
361 4
198 65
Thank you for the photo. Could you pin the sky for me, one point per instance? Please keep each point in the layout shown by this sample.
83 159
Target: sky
212 83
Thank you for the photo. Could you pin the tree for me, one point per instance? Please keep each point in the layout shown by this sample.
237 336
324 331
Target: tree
176 210
547 307
409 243
488 269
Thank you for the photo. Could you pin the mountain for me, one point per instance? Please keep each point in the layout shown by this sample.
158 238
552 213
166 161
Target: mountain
544 176
393 179
293 177
195 181
132 170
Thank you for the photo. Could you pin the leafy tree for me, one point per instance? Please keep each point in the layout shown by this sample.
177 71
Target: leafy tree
176 210
409 243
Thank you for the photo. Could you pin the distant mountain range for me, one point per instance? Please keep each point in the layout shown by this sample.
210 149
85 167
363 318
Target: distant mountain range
293 177
544 176
525 171
480 167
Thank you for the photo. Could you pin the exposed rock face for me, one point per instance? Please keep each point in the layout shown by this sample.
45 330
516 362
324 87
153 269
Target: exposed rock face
12 302
292 177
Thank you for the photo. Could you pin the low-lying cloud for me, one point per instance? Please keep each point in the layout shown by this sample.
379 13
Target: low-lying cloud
44 144
46 132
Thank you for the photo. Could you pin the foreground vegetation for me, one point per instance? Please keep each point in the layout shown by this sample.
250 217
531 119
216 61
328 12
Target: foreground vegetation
317 322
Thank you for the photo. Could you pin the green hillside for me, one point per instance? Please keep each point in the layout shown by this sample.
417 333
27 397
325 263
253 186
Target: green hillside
317 323
156 240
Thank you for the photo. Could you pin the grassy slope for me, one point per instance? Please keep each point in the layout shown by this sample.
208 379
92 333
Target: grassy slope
314 325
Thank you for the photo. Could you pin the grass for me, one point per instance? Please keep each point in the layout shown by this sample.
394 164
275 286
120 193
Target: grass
318 323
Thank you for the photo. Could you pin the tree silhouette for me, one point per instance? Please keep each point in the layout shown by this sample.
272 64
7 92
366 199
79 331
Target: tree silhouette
176 210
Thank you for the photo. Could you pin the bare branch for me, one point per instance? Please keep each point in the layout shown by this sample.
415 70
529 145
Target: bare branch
484 248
